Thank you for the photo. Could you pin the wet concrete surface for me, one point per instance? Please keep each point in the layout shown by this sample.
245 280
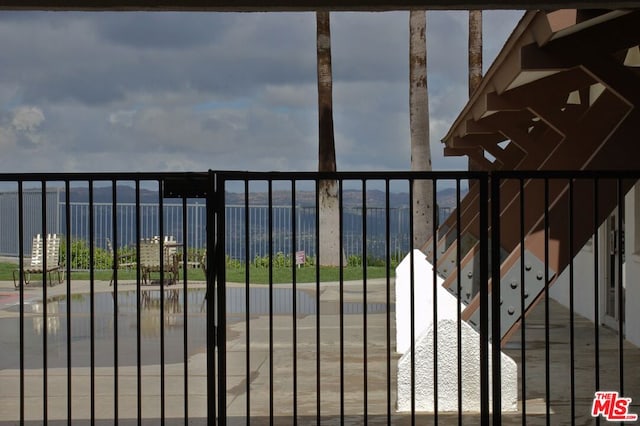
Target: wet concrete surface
287 379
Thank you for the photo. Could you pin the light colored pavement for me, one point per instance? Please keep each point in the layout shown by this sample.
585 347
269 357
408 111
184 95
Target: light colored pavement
275 386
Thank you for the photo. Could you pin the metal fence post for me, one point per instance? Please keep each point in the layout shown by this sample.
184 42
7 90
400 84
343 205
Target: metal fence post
484 301
496 333
213 213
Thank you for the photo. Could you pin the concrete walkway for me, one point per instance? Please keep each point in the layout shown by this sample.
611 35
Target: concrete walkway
274 387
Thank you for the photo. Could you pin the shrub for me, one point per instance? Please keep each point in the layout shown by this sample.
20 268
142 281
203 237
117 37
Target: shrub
234 263
80 256
354 260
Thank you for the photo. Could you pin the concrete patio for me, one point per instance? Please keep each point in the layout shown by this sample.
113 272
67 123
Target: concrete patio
283 373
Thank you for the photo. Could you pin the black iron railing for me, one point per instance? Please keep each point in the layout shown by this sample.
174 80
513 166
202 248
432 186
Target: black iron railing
287 339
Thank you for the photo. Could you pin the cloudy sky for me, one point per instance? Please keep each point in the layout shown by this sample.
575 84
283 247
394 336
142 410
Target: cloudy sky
195 91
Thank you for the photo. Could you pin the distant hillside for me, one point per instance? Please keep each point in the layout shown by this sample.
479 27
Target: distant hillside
351 198
126 194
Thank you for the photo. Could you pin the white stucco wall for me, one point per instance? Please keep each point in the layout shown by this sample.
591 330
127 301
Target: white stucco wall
584 275
632 267
583 282
447 371
423 299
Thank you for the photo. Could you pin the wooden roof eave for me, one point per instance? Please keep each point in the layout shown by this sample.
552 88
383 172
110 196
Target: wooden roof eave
506 72
475 107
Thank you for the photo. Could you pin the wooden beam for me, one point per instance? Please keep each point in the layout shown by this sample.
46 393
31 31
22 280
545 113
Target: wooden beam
562 119
510 125
529 143
308 5
473 127
468 202
512 155
533 58
575 152
549 90
457 152
589 44
604 38
475 140
495 121
495 102
583 225
617 78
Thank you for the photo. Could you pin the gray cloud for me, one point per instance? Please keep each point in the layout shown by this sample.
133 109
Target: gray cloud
182 91
21 127
163 30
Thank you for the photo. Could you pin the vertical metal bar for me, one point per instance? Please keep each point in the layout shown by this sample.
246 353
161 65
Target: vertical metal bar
388 292
185 298
620 291
434 239
162 260
412 312
295 305
364 300
92 303
496 332
218 303
523 295
236 231
270 240
138 303
317 244
210 296
67 199
596 286
459 293
547 341
45 241
264 241
247 300
21 283
114 225
341 275
572 347
484 299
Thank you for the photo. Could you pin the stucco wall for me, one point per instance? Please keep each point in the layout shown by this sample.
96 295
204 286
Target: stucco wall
447 371
583 282
584 273
632 267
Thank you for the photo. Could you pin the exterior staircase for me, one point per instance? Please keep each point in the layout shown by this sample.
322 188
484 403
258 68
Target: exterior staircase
547 104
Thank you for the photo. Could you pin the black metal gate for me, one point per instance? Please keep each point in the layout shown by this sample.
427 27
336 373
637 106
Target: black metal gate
297 389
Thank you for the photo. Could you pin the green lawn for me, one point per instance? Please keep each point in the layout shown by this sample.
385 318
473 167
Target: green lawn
303 275
6 271
257 275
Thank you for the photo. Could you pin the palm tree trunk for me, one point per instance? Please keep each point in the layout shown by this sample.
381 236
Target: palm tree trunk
475 58
475 50
328 197
419 124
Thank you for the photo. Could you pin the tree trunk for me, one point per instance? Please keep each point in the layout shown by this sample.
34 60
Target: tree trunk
475 59
419 124
328 196
475 50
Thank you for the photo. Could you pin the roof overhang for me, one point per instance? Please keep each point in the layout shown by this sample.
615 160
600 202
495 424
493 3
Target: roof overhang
545 86
307 5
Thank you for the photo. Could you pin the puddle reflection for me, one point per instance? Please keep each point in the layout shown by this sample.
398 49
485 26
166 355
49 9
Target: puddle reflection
150 321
